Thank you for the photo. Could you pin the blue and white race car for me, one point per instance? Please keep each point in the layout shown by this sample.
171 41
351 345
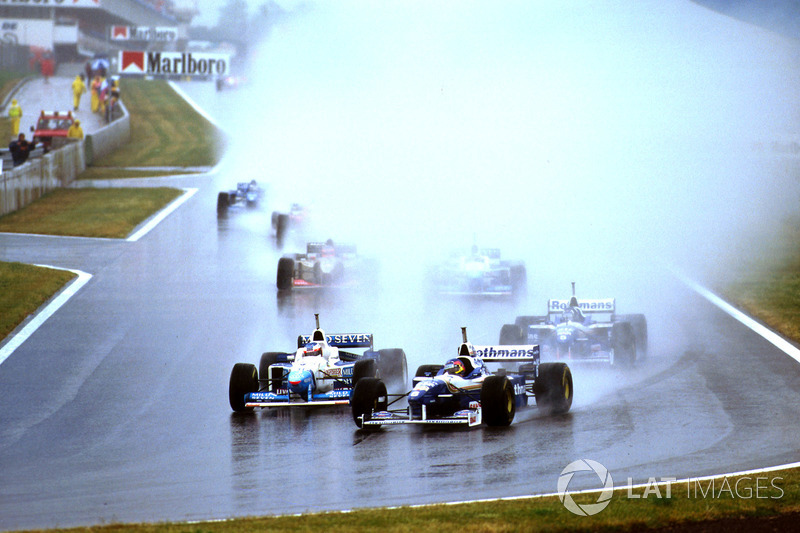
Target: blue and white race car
479 272
582 331
319 372
247 194
464 391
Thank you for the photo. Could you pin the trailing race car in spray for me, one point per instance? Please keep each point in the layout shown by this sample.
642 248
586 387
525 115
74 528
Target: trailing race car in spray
319 372
285 223
479 272
324 264
248 194
581 330
464 391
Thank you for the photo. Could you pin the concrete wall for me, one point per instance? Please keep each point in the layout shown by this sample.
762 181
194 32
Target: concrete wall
21 185
109 138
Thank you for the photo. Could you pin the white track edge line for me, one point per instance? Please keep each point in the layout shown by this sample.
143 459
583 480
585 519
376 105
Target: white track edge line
41 316
164 213
779 342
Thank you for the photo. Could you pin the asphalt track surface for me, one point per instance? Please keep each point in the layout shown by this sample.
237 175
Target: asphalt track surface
116 409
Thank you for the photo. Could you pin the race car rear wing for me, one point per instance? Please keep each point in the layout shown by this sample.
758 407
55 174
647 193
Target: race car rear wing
600 305
341 340
521 353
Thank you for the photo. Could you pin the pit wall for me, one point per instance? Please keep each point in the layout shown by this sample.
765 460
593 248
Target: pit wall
21 185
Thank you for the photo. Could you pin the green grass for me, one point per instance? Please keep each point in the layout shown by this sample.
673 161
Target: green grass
8 79
165 130
109 173
687 505
23 289
111 213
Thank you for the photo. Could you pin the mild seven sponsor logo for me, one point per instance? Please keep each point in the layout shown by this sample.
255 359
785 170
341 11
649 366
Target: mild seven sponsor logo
344 339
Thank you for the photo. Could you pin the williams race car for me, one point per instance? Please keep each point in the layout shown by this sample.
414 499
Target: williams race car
464 391
247 194
324 264
319 372
480 272
582 331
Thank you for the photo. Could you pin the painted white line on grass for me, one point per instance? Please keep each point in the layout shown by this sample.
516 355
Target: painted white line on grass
40 317
779 342
164 213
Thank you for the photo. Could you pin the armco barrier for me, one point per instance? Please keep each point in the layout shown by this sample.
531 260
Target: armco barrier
108 138
21 185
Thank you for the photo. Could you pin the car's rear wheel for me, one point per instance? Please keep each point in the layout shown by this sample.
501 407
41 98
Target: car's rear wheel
553 388
497 401
512 334
393 368
369 395
223 201
285 279
623 342
281 227
244 379
365 368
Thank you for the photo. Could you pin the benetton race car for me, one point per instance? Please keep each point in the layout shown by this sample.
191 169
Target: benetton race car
319 372
582 331
464 391
480 272
284 223
247 194
324 264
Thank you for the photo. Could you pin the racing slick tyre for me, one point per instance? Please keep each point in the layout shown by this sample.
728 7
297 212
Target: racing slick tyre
285 279
223 201
553 388
623 342
267 360
525 321
368 395
365 368
281 227
512 334
393 368
427 371
519 280
639 324
244 379
497 401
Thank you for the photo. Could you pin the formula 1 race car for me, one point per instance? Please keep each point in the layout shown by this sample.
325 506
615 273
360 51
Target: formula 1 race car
284 223
464 391
480 272
247 194
582 331
319 372
324 264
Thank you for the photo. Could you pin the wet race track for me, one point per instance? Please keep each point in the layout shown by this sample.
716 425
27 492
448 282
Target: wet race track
116 408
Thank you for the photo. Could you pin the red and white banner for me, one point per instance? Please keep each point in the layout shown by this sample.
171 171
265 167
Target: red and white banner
174 63
162 34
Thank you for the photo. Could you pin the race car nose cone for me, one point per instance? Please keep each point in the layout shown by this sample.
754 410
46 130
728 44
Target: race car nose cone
300 381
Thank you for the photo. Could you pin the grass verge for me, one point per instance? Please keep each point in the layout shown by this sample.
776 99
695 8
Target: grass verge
23 289
111 213
165 130
8 80
110 173
702 506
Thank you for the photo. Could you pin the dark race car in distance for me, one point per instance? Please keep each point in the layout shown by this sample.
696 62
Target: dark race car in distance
325 264
465 391
582 331
246 194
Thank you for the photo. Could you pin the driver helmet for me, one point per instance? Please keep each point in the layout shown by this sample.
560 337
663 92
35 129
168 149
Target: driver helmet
313 349
456 367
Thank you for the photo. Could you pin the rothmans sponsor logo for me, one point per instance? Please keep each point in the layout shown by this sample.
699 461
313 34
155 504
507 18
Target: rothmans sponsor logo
180 63
507 352
597 306
364 339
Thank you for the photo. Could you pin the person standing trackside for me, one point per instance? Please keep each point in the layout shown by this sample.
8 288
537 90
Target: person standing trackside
78 88
95 94
15 114
20 150
75 131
